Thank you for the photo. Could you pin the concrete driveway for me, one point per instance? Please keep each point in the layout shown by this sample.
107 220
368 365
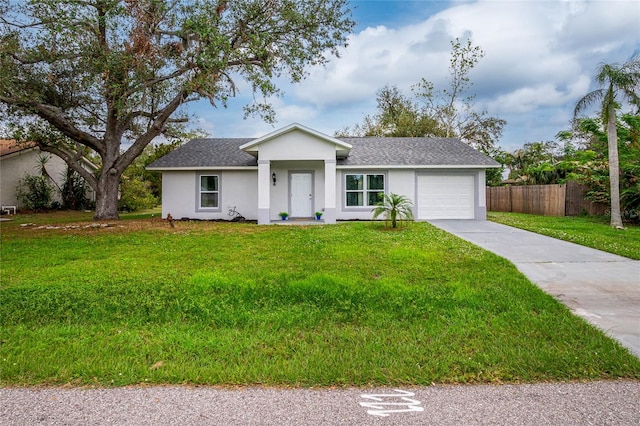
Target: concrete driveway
600 287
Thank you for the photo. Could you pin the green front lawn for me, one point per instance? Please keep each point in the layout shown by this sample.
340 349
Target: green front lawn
589 231
229 303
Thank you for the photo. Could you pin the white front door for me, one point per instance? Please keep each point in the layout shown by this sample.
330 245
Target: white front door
301 195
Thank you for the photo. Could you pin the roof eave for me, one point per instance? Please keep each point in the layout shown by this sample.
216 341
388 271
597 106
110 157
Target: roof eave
15 153
193 168
416 166
344 166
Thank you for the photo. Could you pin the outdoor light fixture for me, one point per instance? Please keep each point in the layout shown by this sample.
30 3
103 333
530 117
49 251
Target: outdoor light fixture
273 177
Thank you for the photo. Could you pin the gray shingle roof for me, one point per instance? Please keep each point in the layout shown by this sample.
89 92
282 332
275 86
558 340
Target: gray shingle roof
368 151
413 152
208 153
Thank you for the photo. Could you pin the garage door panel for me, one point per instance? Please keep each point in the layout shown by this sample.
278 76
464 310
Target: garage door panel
446 197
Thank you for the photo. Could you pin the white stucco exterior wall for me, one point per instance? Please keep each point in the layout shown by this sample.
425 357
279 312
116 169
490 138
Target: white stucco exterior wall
481 195
177 199
180 192
239 188
14 167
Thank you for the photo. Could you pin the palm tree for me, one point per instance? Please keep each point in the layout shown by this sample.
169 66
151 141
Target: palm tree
614 79
394 207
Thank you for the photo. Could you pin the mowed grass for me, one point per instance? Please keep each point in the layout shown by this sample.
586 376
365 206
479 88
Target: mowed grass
589 231
240 304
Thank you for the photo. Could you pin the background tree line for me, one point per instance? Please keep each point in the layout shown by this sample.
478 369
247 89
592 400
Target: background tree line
581 154
600 152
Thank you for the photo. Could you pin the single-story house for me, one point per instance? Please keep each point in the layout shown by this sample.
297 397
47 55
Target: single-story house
19 160
300 171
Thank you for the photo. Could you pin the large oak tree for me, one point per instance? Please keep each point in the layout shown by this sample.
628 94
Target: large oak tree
83 77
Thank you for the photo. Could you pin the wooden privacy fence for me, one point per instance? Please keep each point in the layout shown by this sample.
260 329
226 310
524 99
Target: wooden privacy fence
547 200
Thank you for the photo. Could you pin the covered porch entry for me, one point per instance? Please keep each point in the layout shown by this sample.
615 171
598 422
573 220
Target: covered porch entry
296 173
298 188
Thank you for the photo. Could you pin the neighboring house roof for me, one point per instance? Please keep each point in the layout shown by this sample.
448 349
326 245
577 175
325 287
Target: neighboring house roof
367 151
9 146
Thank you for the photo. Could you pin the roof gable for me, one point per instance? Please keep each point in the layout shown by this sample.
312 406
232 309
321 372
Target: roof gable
342 148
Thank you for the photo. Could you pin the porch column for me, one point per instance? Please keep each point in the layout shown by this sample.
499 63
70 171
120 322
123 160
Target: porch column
264 192
329 215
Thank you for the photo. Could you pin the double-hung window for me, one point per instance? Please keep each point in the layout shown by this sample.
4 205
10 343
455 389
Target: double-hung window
364 190
209 192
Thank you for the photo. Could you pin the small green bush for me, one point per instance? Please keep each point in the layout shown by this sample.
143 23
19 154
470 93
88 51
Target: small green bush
136 195
34 192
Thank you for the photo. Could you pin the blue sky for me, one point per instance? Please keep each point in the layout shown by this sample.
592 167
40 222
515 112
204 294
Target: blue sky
540 57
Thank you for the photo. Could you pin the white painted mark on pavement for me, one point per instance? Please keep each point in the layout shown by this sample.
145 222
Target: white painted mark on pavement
381 406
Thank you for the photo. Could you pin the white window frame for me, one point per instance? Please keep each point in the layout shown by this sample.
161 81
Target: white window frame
365 190
199 192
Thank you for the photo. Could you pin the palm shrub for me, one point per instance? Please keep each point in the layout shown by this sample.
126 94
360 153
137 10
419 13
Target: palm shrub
74 191
394 208
34 192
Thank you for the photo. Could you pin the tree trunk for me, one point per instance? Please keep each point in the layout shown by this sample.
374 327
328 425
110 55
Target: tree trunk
614 168
107 196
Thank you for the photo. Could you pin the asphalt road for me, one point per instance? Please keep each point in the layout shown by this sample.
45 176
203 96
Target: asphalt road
595 403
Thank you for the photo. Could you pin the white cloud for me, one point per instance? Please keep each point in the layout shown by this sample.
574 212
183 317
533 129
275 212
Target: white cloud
206 125
375 57
599 27
530 98
293 113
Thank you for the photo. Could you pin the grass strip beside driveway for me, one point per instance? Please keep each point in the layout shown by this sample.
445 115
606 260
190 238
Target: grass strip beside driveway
588 231
219 303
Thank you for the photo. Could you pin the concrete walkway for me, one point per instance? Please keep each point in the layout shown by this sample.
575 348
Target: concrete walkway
600 287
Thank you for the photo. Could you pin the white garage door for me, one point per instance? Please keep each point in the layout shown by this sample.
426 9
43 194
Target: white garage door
445 197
